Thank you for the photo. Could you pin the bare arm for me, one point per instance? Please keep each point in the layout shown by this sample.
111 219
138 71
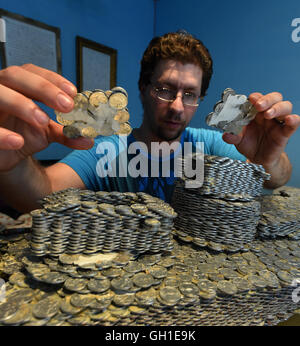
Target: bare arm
280 172
29 182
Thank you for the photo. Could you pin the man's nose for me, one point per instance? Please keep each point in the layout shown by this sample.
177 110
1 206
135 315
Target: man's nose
177 105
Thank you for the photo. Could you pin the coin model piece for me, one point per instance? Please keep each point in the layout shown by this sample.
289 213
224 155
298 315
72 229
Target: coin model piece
232 113
95 113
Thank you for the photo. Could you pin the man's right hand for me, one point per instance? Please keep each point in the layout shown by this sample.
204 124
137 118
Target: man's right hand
25 128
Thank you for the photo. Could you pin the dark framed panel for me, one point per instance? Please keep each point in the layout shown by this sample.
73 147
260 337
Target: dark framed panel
30 41
96 65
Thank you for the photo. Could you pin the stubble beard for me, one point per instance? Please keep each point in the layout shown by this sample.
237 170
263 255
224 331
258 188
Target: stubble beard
162 134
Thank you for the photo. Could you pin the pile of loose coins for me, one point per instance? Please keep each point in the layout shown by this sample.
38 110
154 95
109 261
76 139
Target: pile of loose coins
97 112
77 265
185 286
78 221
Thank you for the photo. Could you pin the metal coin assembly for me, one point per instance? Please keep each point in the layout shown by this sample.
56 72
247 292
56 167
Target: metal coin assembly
186 286
97 112
85 222
111 258
232 112
224 212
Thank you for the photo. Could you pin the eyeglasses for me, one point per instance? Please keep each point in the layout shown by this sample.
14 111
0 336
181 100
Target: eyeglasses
170 95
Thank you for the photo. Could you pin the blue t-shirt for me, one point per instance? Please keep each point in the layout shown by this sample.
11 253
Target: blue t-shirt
120 163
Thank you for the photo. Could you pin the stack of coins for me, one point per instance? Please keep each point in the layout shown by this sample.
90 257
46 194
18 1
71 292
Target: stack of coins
280 214
40 233
97 113
226 178
224 209
88 222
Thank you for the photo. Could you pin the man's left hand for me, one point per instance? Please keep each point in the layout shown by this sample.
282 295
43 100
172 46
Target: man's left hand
264 139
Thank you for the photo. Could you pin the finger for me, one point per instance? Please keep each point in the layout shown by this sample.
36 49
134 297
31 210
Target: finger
12 102
36 87
291 124
10 140
231 138
53 77
265 102
254 97
279 110
56 135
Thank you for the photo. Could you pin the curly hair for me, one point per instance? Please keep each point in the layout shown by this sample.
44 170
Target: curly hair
180 46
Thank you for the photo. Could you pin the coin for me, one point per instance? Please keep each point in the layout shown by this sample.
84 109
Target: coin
68 308
118 100
143 280
124 299
22 316
134 267
7 311
169 295
54 278
81 300
75 285
157 271
46 308
97 97
98 286
122 284
225 287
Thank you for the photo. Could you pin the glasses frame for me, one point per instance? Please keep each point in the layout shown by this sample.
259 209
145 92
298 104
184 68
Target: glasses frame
157 89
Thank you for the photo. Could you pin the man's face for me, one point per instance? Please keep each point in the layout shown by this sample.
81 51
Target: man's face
167 120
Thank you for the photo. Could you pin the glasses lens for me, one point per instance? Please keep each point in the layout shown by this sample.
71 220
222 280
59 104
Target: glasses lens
170 95
166 94
190 99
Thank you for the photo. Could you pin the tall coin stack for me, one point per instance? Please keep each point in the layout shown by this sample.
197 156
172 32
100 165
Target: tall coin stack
224 209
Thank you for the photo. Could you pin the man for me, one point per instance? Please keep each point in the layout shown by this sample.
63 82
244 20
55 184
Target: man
175 72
